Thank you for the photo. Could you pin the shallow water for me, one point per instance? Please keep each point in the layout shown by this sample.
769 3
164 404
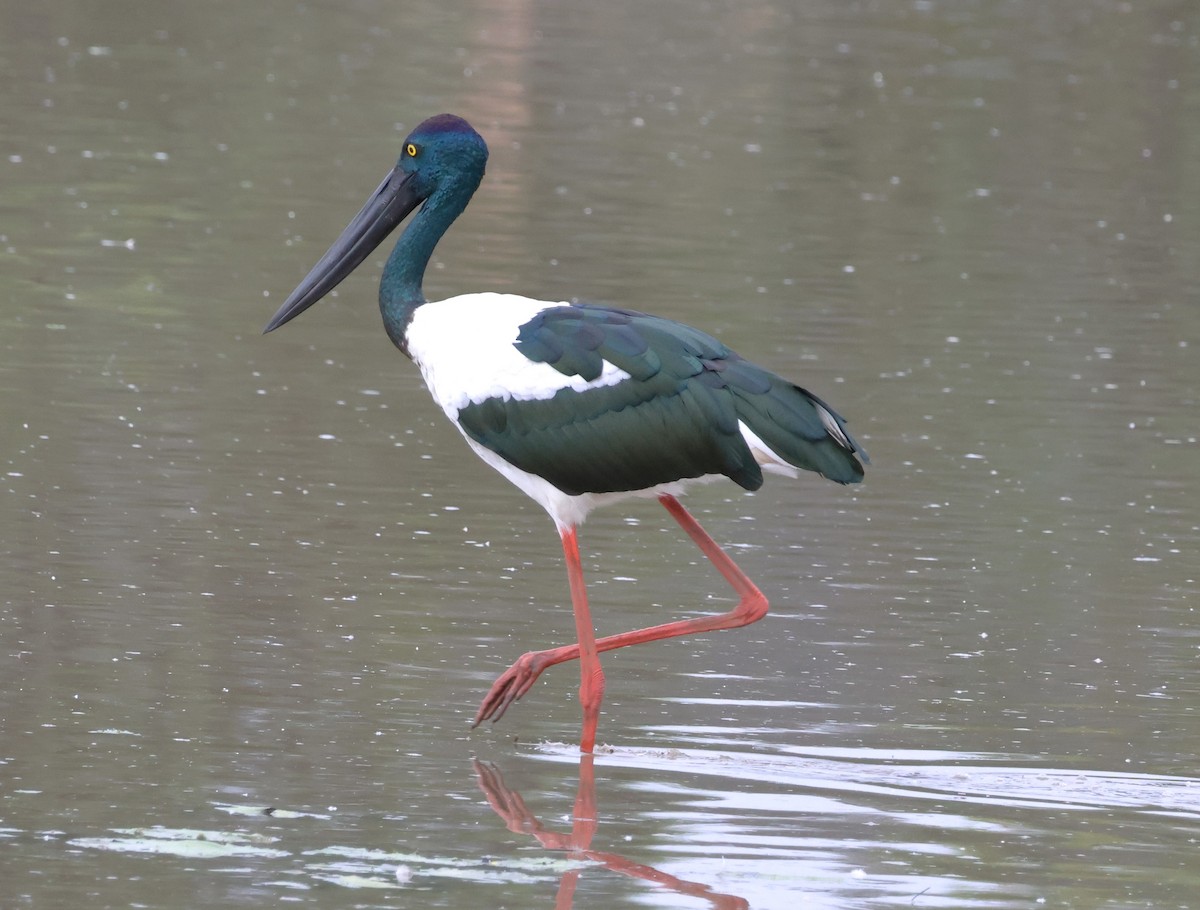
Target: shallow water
243 574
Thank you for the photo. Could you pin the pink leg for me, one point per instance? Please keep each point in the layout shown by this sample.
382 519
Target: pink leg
591 682
520 677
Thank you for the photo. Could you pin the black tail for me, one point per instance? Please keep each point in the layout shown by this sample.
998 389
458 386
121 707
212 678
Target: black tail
794 423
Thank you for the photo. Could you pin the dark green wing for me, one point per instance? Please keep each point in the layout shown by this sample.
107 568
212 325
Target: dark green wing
675 417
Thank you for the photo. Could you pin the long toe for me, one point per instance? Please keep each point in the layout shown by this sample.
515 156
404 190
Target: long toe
514 682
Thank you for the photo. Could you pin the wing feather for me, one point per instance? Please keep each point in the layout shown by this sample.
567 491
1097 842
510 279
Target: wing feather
677 415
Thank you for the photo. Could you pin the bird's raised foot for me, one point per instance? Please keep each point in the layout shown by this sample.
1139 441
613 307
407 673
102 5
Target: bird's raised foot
514 683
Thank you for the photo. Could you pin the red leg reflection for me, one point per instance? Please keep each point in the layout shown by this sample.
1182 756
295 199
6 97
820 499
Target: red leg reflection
509 805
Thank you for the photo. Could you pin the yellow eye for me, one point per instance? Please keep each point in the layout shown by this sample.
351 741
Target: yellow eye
411 150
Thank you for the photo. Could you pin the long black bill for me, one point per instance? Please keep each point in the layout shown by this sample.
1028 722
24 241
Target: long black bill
387 207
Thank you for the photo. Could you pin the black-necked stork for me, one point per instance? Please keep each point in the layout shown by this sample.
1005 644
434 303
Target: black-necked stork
578 405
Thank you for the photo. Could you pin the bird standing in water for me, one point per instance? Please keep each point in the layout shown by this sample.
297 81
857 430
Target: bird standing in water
578 405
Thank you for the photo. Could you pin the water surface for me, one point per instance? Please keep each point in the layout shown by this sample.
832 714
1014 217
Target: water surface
252 589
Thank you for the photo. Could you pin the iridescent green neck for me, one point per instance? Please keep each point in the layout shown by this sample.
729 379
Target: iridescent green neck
400 287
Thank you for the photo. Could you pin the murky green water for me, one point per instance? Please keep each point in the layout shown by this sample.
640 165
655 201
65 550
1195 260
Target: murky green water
241 574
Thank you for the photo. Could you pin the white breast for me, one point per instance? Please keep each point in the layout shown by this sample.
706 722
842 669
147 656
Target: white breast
464 347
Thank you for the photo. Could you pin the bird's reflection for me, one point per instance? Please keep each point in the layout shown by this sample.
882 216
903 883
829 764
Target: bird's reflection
577 843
